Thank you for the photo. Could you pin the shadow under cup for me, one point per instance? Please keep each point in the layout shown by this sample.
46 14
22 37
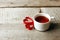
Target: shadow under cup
42 21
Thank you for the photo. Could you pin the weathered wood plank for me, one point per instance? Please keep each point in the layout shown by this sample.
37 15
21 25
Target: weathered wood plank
27 3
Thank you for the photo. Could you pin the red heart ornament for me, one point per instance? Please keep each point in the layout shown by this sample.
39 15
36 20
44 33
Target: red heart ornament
29 23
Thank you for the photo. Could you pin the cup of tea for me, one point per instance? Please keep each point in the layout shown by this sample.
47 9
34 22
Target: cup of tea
41 21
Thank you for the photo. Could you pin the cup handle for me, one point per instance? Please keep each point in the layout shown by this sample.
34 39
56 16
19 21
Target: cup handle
52 19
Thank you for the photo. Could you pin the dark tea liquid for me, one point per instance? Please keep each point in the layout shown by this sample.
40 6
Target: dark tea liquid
42 19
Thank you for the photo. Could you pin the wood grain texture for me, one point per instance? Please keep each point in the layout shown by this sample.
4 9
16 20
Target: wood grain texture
53 12
16 15
19 32
29 3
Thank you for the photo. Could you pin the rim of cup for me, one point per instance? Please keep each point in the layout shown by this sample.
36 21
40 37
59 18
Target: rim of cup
42 14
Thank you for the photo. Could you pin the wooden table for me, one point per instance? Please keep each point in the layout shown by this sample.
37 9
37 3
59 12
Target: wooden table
19 32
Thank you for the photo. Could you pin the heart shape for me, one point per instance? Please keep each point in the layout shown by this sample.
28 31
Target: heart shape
28 23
